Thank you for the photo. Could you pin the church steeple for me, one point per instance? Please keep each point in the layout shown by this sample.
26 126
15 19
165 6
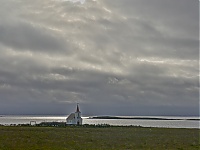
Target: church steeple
77 108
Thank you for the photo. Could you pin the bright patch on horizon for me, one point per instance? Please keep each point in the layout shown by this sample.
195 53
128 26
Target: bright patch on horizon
75 1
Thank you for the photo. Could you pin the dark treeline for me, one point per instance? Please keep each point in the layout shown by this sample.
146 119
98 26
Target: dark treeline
63 124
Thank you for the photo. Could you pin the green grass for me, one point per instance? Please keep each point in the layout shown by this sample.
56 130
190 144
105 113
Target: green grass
85 138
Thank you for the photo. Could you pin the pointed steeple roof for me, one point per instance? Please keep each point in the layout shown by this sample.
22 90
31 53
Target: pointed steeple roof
77 108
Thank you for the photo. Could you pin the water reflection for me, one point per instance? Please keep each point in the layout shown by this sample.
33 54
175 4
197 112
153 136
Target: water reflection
7 120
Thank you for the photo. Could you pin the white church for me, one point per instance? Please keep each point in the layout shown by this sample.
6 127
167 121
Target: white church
74 118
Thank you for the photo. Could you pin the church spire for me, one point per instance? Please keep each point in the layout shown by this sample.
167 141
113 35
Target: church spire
77 108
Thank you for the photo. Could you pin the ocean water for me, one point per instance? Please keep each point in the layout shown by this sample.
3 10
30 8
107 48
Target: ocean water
8 120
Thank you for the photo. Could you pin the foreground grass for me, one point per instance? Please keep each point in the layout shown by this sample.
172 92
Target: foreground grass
85 138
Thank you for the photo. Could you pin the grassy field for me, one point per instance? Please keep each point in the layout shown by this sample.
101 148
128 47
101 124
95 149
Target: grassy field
86 138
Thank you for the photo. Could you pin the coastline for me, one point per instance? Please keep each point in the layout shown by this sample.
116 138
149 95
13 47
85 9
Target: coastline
138 118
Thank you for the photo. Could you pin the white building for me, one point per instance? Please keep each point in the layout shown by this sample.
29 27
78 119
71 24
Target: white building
75 118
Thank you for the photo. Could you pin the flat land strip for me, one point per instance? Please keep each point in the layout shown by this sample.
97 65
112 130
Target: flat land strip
97 138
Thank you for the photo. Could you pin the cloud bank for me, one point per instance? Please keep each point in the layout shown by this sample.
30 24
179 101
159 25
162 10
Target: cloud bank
122 57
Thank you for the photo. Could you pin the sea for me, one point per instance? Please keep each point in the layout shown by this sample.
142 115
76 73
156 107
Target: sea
175 122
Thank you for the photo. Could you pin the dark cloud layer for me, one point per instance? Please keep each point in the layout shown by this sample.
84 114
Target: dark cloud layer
121 57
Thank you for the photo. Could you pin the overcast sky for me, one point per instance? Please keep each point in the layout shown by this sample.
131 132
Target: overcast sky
113 57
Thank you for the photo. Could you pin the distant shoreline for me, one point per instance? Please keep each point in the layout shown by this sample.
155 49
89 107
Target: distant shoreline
138 118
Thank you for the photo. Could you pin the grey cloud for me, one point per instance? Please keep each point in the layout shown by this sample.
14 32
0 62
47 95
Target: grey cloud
139 57
23 36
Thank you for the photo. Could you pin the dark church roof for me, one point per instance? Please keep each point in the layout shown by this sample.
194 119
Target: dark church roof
71 116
